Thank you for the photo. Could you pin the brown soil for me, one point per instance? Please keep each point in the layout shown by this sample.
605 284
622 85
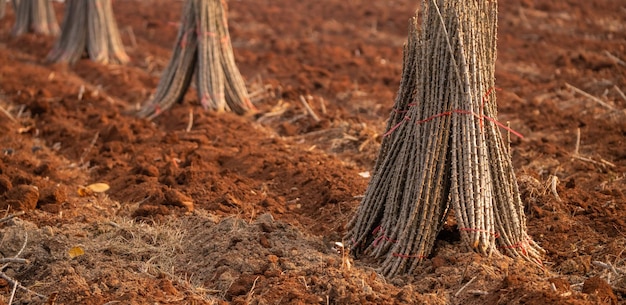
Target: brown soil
248 209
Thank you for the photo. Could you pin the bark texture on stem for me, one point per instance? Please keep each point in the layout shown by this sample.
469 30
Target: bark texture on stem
443 149
34 16
89 27
203 46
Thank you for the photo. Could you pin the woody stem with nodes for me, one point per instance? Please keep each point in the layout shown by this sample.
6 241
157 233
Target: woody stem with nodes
89 27
203 47
443 150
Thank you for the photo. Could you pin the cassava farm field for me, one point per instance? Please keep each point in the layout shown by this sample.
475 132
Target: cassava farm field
208 208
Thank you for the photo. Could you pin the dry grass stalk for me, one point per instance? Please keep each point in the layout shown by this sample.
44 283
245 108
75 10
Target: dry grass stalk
13 260
89 26
614 58
591 97
35 16
203 46
190 124
478 292
323 105
308 108
131 35
16 259
7 113
9 217
554 182
443 148
92 144
578 156
607 266
250 293
465 286
620 92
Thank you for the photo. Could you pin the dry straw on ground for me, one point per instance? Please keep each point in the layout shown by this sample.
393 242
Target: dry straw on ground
89 26
443 149
35 16
203 46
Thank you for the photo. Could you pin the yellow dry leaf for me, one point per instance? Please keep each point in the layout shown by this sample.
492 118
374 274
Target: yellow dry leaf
24 129
76 251
99 187
83 191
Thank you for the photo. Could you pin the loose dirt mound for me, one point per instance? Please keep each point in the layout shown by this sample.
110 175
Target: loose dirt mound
211 208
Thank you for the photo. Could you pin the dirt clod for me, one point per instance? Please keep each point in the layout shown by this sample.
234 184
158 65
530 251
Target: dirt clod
22 197
600 288
175 197
5 184
562 285
53 195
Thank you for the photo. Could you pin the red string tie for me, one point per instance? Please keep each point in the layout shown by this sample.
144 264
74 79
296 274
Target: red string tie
495 234
406 118
400 255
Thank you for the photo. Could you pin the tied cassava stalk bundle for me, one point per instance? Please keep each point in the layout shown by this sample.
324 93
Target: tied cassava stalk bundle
89 26
443 148
203 46
36 16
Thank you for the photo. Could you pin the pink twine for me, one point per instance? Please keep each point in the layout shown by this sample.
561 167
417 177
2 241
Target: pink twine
223 39
376 241
400 255
209 97
157 109
207 33
521 245
403 111
455 111
480 117
495 234
482 105
390 131
183 40
384 237
376 230
248 102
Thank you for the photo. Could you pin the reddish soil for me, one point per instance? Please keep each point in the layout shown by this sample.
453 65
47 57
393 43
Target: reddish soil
247 209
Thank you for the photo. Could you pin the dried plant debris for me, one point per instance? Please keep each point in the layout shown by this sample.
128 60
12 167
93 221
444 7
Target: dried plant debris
89 26
203 46
34 16
443 148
